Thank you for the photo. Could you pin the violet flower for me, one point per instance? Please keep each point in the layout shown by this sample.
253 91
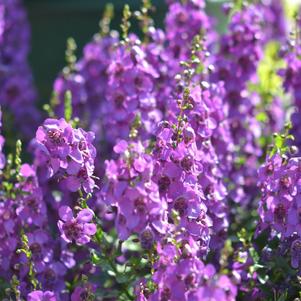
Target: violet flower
41 296
79 229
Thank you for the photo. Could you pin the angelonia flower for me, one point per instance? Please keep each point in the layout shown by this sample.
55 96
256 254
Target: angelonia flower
84 292
208 130
169 47
178 170
176 117
131 189
2 157
130 93
273 11
79 228
17 93
279 207
141 96
183 21
236 63
24 208
41 296
87 81
27 209
291 83
186 278
111 109
65 153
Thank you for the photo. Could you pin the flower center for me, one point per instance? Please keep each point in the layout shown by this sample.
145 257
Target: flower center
280 213
165 294
180 205
72 230
147 239
36 251
187 163
55 136
164 183
140 205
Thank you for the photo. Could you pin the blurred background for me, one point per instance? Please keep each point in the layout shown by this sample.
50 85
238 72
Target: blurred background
53 21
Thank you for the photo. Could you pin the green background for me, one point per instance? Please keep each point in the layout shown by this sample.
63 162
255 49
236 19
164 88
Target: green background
53 21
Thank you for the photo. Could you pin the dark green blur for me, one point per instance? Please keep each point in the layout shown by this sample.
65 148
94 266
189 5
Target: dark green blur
53 21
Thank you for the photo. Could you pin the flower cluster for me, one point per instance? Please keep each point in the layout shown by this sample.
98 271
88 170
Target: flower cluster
132 190
291 83
180 276
169 47
87 81
17 93
24 208
2 158
181 119
273 12
113 109
278 179
183 22
236 63
181 174
129 93
279 207
66 153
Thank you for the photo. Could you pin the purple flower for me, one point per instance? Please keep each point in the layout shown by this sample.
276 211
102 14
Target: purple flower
52 277
2 157
130 189
41 296
280 207
276 27
66 153
129 94
17 93
183 22
42 255
83 293
186 278
75 83
296 254
179 152
236 63
291 83
79 228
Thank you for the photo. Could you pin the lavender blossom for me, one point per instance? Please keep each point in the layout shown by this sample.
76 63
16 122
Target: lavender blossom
79 228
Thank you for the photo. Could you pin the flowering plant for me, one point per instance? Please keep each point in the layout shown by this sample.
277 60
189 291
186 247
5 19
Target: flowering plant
168 166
